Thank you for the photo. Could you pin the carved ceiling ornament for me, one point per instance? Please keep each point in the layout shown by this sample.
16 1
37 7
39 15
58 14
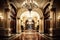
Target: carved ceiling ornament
29 4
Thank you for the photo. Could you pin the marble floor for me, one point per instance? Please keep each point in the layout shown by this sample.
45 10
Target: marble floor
29 35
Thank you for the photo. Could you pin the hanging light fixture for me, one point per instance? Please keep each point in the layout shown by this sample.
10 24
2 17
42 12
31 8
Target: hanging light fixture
29 4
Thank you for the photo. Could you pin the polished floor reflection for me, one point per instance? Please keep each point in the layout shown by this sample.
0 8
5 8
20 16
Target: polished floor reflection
31 35
28 35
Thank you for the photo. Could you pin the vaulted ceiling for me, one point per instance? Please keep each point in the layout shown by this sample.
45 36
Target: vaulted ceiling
17 3
41 3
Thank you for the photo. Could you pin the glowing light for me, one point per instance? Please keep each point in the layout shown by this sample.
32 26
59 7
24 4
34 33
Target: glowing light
51 29
9 15
29 1
35 3
24 3
9 29
30 15
9 34
58 17
51 34
1 16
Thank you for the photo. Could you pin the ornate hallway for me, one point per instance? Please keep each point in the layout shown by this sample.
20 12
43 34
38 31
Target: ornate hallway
29 19
29 35
33 35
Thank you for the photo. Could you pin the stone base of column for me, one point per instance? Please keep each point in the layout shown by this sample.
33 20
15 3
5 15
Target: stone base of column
5 32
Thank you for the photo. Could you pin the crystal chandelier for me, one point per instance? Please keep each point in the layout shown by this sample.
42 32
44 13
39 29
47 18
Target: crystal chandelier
29 4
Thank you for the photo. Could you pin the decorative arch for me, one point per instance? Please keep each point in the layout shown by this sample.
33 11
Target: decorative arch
46 5
12 4
20 11
38 10
14 8
12 16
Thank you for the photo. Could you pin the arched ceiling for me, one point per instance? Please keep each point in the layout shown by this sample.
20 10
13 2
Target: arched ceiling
41 3
20 9
35 9
30 15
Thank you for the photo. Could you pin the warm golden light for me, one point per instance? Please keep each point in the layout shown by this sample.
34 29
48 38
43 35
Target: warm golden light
58 17
30 2
1 16
28 15
9 29
51 29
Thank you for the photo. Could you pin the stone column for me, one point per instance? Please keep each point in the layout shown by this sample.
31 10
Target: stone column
41 25
52 22
8 23
7 30
18 26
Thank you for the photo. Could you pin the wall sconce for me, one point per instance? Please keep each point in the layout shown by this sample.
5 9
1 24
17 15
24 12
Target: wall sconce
1 17
58 17
9 17
9 29
51 29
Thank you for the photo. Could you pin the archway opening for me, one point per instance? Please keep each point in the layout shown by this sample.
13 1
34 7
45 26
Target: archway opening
30 20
